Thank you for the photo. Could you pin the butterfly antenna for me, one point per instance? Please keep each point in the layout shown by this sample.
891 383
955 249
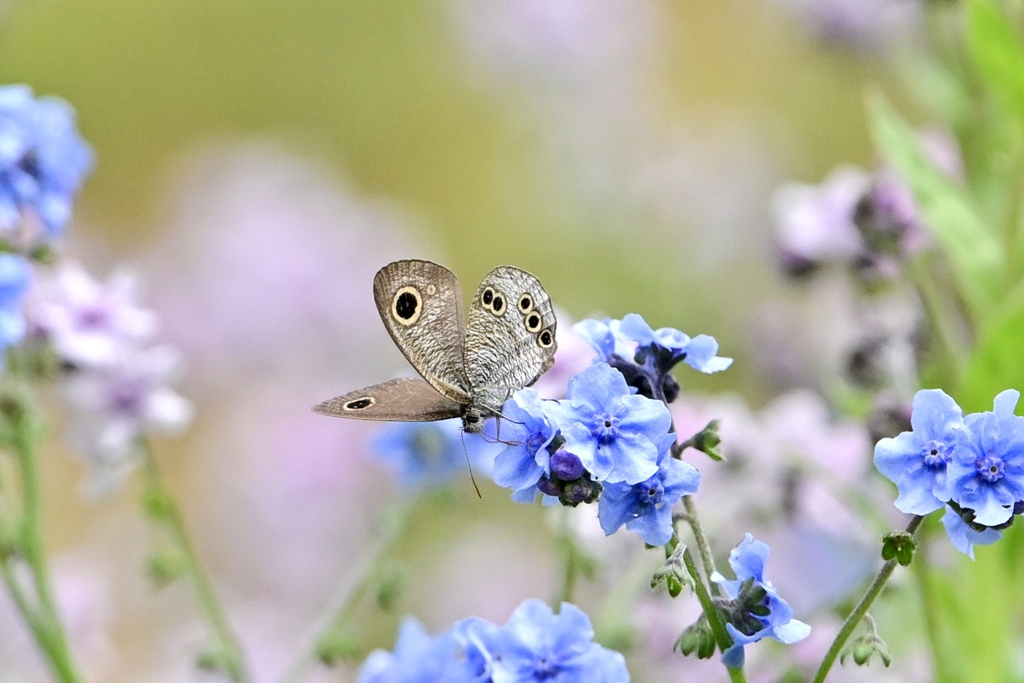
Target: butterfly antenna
470 466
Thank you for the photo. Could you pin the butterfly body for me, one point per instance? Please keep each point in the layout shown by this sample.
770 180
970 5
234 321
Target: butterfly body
469 367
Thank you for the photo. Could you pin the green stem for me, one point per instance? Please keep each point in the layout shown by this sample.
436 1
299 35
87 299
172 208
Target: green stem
703 547
939 321
854 619
164 508
347 596
928 613
44 622
708 605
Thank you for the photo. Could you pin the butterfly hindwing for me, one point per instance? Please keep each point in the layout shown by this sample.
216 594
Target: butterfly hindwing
421 305
406 399
510 335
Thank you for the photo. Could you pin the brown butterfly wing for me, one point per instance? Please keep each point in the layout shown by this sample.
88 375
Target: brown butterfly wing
406 399
421 305
510 335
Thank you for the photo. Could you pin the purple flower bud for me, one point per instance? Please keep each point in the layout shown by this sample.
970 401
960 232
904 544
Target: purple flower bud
566 466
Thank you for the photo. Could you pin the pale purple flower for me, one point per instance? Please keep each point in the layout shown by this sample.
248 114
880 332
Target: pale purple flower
88 322
253 275
815 223
116 406
558 45
860 24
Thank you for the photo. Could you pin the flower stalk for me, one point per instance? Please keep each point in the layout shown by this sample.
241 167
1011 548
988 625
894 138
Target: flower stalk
855 616
226 656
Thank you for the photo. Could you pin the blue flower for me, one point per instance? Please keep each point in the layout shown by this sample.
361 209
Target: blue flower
614 433
606 338
433 453
536 646
43 161
917 461
986 473
750 586
963 537
478 639
521 465
15 275
699 352
646 508
645 356
418 658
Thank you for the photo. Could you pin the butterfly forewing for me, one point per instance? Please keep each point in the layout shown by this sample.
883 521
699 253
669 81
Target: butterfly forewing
406 399
421 306
510 335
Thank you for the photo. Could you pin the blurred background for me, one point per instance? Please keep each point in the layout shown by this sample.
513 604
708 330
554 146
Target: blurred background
258 161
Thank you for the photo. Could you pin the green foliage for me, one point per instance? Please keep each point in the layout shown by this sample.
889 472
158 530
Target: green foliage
969 243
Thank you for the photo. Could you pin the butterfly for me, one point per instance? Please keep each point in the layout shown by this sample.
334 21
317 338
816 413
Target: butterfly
468 369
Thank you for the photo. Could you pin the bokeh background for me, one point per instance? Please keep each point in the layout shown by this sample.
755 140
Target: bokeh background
258 161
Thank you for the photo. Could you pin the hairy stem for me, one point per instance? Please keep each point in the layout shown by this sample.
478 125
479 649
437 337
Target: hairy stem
854 619
347 596
162 507
703 547
42 618
708 605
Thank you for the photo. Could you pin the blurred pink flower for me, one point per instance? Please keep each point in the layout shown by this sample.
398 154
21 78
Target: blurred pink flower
860 24
561 45
815 223
115 406
88 322
268 263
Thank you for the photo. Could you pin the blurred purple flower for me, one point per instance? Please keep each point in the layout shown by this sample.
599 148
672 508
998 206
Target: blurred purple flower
90 324
815 223
273 284
860 24
431 454
43 161
563 45
115 406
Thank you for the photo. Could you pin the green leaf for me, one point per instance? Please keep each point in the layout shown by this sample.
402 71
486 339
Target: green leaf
998 52
997 362
972 248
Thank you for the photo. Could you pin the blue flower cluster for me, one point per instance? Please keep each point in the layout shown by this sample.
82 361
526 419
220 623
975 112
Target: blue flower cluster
611 439
43 161
754 610
535 646
973 465
601 443
646 356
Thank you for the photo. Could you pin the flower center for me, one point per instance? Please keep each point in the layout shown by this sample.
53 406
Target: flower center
92 318
545 669
990 468
936 454
606 428
650 491
126 396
